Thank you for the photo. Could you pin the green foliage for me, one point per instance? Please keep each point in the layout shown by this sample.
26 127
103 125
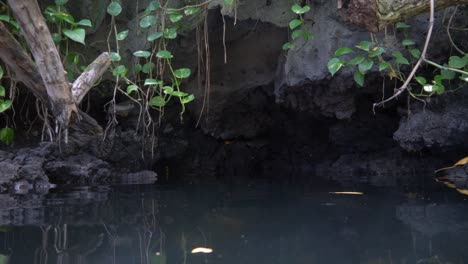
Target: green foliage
297 26
7 135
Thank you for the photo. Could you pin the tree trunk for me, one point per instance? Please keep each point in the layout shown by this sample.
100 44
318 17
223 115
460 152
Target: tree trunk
47 58
375 15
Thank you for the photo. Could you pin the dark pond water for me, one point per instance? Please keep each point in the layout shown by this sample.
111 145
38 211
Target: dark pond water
255 221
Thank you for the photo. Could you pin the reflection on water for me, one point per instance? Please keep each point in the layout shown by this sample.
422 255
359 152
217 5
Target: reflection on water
258 222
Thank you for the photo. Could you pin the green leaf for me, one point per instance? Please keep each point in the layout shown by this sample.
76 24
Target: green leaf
359 78
142 53
153 82
138 68
56 37
122 35
77 35
153 6
7 135
1 72
2 91
343 50
408 42
182 73
73 57
187 99
157 101
421 80
168 89
294 23
119 71
377 51
132 88
400 59
300 10
229 2
148 67
365 66
308 35
148 21
356 60
176 17
175 93
402 25
288 45
383 65
154 36
85 22
191 11
416 53
164 54
334 65
448 74
5 18
4 105
170 33
439 89
297 33
365 45
457 62
61 2
114 56
114 9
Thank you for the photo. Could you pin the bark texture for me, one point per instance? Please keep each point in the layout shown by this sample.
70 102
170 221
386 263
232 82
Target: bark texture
85 82
374 15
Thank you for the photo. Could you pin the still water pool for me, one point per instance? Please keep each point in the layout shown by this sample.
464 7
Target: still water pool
255 221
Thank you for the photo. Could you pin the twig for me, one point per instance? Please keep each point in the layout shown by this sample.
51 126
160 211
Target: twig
416 67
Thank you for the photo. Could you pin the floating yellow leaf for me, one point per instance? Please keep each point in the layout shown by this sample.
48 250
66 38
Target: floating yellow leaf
459 163
202 250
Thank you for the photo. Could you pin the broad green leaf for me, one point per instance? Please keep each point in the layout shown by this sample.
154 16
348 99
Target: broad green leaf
294 23
119 71
448 74
2 91
439 89
61 2
7 135
148 67
176 17
343 50
300 10
152 82
114 9
85 22
176 93
132 88
297 33
457 62
308 35
400 59
5 18
377 51
168 89
164 54
334 65
154 36
114 56
191 11
416 53
383 65
122 35
421 80
4 105
408 42
153 5
142 53
359 78
365 45
73 57
170 33
77 35
187 99
402 25
365 66
356 60
288 45
148 21
157 101
1 72
182 73
138 68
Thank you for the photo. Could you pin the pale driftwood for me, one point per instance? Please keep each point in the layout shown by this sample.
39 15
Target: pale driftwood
25 71
47 58
375 15
85 82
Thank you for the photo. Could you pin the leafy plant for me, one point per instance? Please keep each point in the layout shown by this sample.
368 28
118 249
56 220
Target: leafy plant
6 134
297 26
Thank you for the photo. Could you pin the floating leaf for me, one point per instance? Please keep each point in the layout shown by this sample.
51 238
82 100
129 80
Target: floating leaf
383 65
343 50
300 10
4 105
132 88
142 53
114 9
154 36
122 35
365 66
334 65
175 17
408 42
402 25
365 45
114 56
77 35
7 135
157 101
191 11
148 21
356 60
182 73
187 99
457 62
359 78
294 23
288 45
164 54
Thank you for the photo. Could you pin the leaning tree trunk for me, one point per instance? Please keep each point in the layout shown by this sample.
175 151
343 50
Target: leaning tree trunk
375 15
47 58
